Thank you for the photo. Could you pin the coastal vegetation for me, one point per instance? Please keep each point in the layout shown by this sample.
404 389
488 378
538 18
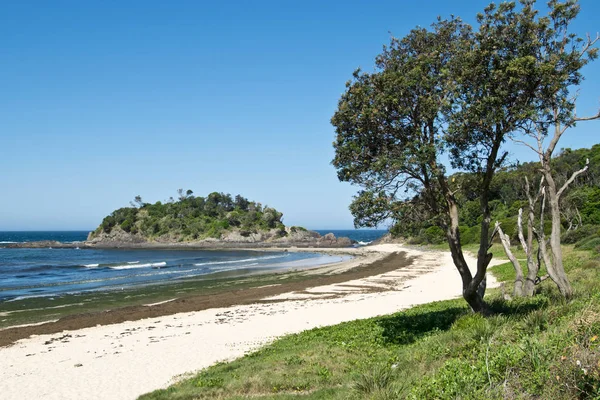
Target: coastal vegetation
580 206
531 348
458 93
192 217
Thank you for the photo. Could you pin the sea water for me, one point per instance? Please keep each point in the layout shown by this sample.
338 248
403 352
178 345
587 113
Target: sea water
51 272
362 237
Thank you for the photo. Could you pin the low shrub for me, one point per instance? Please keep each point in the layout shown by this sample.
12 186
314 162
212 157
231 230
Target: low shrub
582 233
590 244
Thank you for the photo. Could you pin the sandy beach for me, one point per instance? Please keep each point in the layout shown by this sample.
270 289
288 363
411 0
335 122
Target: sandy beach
124 359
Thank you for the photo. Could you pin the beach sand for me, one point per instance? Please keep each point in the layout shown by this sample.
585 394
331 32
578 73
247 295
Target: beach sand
122 360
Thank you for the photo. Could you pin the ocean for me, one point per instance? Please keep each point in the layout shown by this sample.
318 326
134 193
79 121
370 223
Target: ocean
361 236
53 272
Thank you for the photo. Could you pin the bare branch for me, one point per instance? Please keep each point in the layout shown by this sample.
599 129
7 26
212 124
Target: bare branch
494 233
524 143
540 190
590 118
572 178
518 270
520 228
590 43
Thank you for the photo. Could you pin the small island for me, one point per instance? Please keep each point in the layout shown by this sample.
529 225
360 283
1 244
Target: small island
218 220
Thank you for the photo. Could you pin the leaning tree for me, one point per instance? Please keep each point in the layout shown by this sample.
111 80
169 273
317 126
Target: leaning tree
561 56
449 92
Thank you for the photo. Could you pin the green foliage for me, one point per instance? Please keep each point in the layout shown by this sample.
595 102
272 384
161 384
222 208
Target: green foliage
460 92
192 218
375 381
413 324
434 235
590 244
582 233
470 235
508 195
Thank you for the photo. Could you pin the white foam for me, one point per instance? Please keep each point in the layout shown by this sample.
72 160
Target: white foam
241 261
222 269
131 266
7 242
91 265
33 296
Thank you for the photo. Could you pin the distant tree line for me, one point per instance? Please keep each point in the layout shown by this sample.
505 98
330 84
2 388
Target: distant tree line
580 206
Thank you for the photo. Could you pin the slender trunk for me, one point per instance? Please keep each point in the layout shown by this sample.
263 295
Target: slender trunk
518 290
483 255
471 295
533 265
555 265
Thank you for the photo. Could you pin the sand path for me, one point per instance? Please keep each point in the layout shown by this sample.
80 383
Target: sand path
124 360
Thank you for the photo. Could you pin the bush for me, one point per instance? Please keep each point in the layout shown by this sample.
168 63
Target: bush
107 224
582 234
470 235
590 244
433 235
509 226
127 225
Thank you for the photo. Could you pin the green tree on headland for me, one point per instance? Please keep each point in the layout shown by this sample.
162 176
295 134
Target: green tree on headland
192 217
451 91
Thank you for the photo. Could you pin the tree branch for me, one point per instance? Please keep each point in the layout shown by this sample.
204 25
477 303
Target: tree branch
526 144
520 228
572 178
590 118
518 291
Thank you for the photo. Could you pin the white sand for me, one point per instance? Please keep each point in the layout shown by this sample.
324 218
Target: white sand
125 360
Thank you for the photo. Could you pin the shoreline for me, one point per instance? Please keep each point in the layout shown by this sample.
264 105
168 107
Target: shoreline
204 244
197 302
123 360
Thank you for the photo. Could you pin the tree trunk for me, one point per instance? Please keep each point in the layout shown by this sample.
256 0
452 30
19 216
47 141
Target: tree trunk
533 266
470 292
555 265
518 290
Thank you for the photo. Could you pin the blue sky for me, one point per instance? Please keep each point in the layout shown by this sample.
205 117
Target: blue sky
102 101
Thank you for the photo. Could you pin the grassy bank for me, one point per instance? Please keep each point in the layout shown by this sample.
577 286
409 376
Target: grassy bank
541 347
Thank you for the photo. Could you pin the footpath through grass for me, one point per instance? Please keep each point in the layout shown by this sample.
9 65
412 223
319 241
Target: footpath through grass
535 348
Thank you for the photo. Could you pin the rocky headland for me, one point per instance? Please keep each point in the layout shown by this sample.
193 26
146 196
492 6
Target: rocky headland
288 237
218 221
119 239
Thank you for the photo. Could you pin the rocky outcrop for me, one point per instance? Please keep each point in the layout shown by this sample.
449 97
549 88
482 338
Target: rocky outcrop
117 236
290 237
388 239
43 244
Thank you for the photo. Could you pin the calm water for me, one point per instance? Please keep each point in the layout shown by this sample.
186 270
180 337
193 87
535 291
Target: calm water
53 272
362 236
32 236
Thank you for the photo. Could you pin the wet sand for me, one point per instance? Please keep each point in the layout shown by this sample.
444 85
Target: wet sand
334 274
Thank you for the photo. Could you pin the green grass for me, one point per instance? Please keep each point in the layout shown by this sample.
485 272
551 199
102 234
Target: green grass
535 348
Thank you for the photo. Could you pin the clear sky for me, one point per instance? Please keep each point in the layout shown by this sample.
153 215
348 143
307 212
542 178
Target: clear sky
103 100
